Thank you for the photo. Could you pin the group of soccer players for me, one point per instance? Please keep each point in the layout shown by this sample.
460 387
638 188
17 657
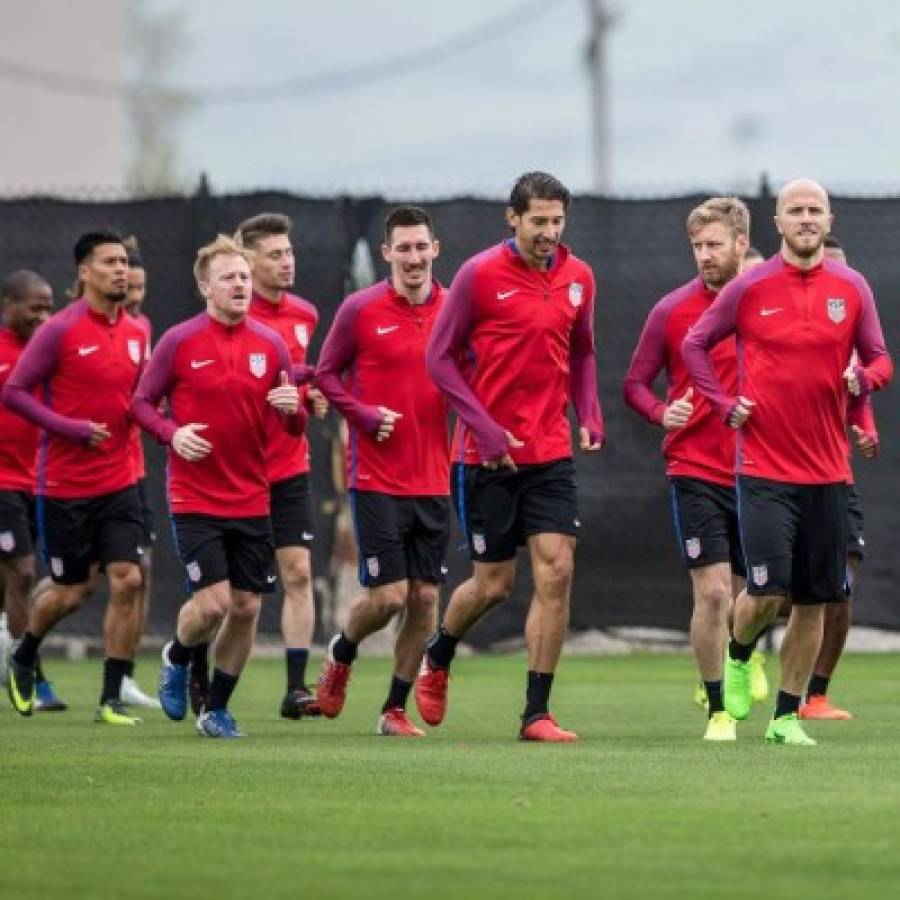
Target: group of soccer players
764 366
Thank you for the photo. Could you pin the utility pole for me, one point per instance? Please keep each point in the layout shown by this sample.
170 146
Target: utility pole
600 22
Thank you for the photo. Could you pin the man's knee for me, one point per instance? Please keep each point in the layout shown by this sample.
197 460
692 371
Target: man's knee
423 598
18 575
125 580
244 606
390 598
553 576
494 583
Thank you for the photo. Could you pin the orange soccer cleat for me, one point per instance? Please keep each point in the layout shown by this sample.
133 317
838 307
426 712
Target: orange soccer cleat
395 723
820 707
431 692
544 728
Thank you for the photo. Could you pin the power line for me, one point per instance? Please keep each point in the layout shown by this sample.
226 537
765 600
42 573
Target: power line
366 74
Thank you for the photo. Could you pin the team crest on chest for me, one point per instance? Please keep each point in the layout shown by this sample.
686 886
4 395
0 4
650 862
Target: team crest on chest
837 309
301 332
576 293
258 364
134 350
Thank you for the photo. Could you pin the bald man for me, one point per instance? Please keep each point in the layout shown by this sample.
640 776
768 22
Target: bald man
798 317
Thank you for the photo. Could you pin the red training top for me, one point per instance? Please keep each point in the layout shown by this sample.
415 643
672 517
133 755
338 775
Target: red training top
217 375
88 367
796 330
374 355
18 447
705 446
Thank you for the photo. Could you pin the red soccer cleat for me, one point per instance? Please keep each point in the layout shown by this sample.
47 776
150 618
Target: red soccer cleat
820 707
332 690
544 728
431 692
395 723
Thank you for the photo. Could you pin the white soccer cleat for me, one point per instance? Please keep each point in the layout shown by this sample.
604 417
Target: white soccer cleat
132 695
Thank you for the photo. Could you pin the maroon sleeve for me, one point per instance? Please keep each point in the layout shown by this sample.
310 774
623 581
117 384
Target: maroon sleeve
302 373
336 357
156 383
583 369
649 358
719 321
861 414
296 423
36 364
448 337
876 369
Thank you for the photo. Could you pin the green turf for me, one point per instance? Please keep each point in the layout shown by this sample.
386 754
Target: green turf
640 807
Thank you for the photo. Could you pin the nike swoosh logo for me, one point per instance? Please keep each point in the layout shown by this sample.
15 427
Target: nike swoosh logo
387 330
307 536
270 579
502 295
770 312
200 363
83 351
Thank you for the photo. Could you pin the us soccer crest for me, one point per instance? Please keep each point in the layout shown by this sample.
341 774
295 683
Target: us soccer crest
372 566
134 350
56 566
193 571
479 545
837 309
301 332
7 541
760 575
576 294
692 547
258 364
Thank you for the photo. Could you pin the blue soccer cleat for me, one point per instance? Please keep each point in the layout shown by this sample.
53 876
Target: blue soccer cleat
218 723
173 687
47 700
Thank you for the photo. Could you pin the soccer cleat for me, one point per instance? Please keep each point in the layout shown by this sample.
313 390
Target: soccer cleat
20 687
759 683
198 689
431 692
544 728
787 730
820 707
395 723
46 700
172 687
736 695
113 712
218 723
700 697
300 703
131 695
332 690
721 727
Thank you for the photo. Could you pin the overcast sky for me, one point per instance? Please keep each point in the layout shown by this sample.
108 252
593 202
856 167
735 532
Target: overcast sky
703 94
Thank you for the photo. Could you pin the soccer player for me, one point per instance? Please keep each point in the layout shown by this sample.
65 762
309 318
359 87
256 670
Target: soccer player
223 375
268 235
86 359
699 448
797 319
521 316
372 368
27 303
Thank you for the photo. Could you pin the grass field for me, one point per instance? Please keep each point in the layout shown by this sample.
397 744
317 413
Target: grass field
640 807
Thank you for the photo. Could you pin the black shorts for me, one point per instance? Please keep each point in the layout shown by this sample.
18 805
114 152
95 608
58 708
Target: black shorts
143 492
706 523
794 538
400 537
499 509
18 529
291 507
77 533
856 543
213 549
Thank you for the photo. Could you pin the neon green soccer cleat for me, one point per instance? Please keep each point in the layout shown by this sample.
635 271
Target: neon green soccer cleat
787 730
759 683
737 688
114 712
700 697
20 687
721 727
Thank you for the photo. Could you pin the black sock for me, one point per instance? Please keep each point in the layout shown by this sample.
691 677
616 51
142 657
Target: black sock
786 704
179 655
818 686
200 659
129 669
344 650
220 690
113 673
740 651
714 693
26 652
38 668
295 659
537 695
441 649
397 695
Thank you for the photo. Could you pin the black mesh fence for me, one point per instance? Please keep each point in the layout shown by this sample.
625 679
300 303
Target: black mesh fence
627 571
